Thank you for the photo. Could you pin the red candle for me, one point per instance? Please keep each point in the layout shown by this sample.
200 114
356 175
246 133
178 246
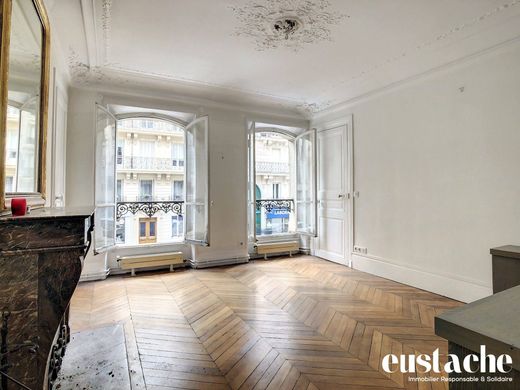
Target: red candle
18 206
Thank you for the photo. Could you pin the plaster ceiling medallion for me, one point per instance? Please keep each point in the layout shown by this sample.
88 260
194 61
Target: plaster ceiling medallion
286 23
314 108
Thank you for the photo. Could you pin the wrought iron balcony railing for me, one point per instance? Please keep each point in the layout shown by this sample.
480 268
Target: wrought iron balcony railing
150 163
272 167
149 208
275 204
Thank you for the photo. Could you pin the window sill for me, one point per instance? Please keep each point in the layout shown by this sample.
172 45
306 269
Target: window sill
278 237
156 245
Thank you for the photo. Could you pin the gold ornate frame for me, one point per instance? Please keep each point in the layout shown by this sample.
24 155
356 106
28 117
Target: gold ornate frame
36 198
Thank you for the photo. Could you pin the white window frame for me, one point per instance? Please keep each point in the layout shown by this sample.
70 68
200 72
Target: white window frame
184 127
252 131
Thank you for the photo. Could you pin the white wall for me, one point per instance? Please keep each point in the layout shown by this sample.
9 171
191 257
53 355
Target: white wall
59 79
228 172
438 172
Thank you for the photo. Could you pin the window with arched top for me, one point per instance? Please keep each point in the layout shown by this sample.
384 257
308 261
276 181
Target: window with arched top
282 182
151 180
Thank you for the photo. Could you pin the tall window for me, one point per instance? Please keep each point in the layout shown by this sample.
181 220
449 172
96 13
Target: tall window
146 148
274 177
146 174
178 155
147 230
177 226
276 190
9 184
146 190
119 190
178 190
143 153
281 181
119 153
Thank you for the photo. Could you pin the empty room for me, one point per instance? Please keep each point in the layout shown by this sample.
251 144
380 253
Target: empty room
259 194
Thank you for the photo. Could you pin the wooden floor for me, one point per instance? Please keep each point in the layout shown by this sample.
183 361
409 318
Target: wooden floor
290 323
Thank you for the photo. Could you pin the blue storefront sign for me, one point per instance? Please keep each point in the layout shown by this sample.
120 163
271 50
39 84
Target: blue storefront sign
278 213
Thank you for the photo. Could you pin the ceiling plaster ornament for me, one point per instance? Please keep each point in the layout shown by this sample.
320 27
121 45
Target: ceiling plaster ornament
82 74
313 108
286 23
106 23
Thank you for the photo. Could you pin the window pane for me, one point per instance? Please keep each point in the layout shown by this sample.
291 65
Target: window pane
178 190
119 191
142 229
104 232
152 228
105 185
13 128
105 158
28 165
274 178
146 190
305 183
197 181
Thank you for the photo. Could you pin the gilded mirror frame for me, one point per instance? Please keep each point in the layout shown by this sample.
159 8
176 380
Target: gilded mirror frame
37 198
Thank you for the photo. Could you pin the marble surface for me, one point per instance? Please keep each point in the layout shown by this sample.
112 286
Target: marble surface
96 360
51 213
40 261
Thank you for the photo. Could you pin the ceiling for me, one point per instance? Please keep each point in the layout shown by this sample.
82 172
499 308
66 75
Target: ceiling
218 49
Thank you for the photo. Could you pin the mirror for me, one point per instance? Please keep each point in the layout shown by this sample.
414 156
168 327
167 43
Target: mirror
24 100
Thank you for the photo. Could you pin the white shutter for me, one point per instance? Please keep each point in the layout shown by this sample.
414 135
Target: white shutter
105 176
197 182
251 183
306 210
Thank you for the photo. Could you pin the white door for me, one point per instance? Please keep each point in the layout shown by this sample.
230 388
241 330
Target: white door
334 197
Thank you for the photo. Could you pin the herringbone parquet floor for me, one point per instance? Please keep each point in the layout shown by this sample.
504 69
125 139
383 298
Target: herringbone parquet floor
292 323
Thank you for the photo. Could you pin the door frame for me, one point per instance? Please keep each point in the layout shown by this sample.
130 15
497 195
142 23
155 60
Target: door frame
349 183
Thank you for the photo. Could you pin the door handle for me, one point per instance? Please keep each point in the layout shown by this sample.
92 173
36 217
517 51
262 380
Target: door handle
341 196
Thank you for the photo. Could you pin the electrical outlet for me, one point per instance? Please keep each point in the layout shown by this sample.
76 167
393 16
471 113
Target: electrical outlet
360 249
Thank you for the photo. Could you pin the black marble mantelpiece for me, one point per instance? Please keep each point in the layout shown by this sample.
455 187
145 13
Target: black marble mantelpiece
41 258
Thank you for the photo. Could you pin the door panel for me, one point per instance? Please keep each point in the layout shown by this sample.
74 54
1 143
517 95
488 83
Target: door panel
332 242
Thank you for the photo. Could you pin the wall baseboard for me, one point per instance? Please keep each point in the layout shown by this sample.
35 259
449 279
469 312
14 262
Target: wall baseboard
94 276
461 290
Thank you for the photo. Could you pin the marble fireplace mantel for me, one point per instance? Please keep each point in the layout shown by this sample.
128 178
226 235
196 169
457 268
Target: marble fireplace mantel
41 258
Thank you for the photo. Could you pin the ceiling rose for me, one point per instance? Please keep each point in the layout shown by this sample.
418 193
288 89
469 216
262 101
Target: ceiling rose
271 24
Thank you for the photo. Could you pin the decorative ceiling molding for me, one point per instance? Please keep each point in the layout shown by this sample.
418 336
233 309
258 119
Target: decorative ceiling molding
269 25
89 26
106 24
292 24
84 75
315 107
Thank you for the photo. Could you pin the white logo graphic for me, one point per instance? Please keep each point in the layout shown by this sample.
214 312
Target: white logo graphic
488 363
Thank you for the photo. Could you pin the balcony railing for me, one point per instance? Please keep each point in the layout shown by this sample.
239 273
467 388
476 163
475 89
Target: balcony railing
148 208
272 167
150 163
275 204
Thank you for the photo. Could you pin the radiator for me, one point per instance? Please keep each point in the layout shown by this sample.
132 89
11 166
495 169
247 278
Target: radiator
143 261
277 247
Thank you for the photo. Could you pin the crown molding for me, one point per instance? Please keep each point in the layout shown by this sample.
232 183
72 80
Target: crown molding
345 105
